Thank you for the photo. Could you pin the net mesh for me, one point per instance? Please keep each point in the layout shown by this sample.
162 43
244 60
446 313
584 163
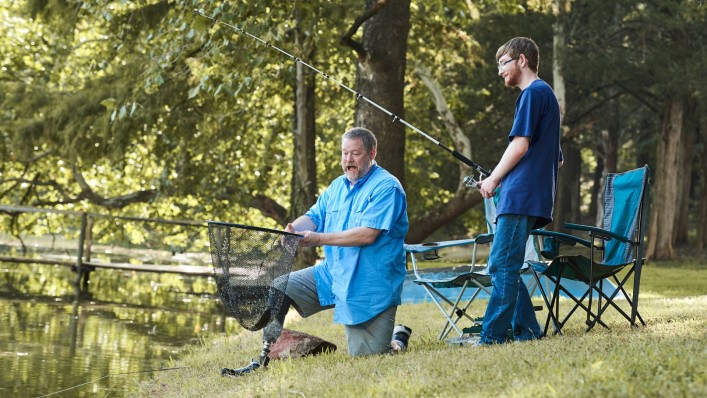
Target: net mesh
251 267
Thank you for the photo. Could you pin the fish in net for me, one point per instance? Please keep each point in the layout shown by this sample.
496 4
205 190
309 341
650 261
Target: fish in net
251 267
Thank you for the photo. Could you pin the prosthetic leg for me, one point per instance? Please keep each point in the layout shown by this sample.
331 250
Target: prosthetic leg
271 333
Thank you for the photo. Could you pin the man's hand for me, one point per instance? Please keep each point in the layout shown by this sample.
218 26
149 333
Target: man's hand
311 239
487 187
514 153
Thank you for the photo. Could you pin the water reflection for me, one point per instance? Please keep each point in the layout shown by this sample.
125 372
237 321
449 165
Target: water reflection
53 337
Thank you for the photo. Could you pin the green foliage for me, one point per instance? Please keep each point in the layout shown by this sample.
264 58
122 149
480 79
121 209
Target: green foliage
161 99
639 52
149 97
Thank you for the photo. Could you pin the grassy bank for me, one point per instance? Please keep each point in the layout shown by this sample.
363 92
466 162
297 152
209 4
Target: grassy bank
668 358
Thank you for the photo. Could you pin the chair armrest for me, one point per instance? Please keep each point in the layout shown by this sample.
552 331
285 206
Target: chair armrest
560 237
430 246
598 232
483 239
429 250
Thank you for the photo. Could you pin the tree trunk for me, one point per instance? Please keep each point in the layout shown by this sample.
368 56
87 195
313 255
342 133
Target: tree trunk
567 204
380 77
685 183
610 137
702 211
609 153
596 207
665 193
702 182
561 8
304 176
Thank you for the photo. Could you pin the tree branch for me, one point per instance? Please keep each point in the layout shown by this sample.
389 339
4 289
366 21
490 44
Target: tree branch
347 39
464 198
575 121
462 144
269 208
117 202
640 97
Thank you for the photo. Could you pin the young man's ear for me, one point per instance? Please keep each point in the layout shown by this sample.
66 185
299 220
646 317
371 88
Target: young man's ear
522 61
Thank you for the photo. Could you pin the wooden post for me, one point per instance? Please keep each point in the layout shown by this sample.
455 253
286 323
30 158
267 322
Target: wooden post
79 257
87 253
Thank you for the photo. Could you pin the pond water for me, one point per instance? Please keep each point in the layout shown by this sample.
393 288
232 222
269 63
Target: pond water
414 293
53 338
59 342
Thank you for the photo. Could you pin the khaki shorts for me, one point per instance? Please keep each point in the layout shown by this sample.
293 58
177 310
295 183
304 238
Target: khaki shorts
367 338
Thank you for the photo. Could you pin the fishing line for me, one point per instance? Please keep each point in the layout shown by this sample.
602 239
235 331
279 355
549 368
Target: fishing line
470 180
108 375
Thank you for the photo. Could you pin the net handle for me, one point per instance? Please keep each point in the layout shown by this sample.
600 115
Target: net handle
275 231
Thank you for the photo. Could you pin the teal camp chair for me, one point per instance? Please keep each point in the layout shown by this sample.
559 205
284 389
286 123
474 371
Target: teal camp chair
446 287
616 247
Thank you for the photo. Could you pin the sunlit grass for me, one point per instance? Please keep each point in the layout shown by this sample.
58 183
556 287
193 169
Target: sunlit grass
667 358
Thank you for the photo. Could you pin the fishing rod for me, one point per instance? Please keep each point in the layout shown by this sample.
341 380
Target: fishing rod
470 181
108 375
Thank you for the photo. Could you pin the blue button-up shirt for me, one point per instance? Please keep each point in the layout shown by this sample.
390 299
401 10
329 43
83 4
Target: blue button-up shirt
362 281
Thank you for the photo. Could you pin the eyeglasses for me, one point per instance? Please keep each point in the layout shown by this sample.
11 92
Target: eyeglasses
504 63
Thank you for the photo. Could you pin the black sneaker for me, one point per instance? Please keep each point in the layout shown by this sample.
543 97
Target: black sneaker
251 367
401 337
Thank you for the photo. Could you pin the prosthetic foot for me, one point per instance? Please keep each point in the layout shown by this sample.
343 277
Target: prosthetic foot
252 366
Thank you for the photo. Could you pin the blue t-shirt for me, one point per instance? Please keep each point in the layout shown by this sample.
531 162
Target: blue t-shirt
362 281
530 187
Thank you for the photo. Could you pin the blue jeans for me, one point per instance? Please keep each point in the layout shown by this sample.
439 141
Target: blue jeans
509 306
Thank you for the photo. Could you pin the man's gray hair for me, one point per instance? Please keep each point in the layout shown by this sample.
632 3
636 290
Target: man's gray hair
365 135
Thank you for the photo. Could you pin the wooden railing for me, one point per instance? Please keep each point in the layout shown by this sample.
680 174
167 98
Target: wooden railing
83 265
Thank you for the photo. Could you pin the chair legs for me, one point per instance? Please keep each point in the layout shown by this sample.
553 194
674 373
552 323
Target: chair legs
551 312
455 312
610 301
457 309
553 303
460 313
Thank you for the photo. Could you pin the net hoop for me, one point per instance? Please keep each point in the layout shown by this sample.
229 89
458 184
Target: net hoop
252 228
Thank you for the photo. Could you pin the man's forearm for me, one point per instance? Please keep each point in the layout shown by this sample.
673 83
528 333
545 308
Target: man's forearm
359 236
303 223
513 154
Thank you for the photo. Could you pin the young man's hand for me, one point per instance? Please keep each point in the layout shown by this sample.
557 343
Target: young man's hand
487 187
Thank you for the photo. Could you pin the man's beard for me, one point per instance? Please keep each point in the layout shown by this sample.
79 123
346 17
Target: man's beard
360 173
513 77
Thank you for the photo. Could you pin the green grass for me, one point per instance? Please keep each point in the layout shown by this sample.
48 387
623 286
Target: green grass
667 358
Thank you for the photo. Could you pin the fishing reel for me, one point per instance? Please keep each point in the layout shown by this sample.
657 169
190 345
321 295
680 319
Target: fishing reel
472 182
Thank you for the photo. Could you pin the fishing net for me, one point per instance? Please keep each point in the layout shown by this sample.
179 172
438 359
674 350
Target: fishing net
251 267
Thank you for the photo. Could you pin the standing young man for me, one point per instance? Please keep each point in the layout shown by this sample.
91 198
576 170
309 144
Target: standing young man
361 221
526 177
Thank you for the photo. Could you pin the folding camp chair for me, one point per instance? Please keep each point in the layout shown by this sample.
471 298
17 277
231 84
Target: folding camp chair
616 247
447 288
